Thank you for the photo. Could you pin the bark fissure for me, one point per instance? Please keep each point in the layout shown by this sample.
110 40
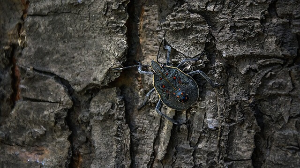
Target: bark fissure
15 75
272 8
37 100
73 158
297 59
237 160
257 155
133 42
50 14
155 144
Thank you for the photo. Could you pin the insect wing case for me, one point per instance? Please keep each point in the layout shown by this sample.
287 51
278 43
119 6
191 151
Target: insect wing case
175 88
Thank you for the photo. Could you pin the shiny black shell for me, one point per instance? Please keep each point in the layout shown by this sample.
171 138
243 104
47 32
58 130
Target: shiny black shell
176 89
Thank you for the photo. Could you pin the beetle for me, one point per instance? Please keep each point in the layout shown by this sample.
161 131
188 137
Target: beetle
176 89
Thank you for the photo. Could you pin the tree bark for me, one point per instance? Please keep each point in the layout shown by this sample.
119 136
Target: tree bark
65 103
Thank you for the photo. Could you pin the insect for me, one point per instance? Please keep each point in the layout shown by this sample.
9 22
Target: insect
176 89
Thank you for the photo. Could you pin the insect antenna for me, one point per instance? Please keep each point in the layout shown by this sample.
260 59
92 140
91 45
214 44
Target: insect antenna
127 67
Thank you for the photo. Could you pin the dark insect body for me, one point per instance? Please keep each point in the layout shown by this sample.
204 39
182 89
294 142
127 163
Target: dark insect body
176 89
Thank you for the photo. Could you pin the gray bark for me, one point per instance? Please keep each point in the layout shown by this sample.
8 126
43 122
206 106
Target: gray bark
63 103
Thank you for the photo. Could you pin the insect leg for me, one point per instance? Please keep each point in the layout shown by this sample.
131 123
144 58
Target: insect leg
146 99
192 59
167 47
205 77
143 72
186 60
158 107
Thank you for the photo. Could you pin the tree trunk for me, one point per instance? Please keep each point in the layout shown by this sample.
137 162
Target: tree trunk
65 102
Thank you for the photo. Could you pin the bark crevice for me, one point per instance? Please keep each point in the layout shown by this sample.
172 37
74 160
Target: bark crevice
134 9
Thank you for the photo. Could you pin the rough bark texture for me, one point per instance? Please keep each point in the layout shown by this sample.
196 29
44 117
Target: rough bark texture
63 105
